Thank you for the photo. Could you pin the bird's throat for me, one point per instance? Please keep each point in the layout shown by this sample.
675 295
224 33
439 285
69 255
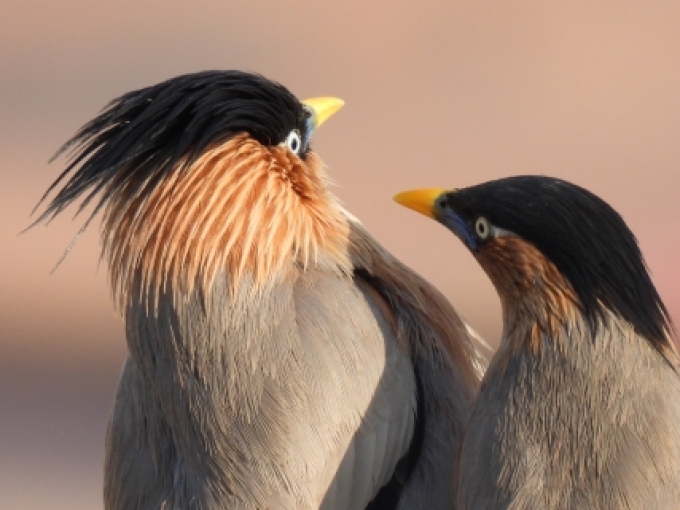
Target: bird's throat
534 295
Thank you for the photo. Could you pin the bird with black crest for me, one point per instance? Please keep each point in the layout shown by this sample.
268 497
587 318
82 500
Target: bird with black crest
279 357
580 406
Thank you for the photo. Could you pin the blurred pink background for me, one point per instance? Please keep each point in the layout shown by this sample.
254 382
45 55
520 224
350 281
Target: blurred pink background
438 94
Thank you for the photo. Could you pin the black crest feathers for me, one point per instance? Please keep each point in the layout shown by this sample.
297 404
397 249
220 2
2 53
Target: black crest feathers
141 136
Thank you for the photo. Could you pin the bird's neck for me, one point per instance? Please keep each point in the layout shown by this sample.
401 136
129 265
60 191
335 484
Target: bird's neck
536 299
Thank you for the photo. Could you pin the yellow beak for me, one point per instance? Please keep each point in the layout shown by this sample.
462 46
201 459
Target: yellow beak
420 200
322 108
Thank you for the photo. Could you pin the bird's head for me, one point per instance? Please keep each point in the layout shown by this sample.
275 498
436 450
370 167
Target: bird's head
203 174
551 248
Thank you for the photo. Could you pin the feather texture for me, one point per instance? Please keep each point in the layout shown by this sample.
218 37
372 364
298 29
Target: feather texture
581 423
324 408
601 260
234 203
278 356
580 407
257 403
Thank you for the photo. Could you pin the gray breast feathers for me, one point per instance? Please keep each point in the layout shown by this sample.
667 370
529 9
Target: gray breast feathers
581 424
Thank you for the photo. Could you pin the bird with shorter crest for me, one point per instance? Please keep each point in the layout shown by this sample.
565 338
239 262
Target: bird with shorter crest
278 356
580 406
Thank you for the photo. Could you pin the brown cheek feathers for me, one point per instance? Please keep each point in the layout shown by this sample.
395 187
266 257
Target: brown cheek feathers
530 286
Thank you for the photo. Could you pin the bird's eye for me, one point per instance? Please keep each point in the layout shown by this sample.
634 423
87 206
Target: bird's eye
482 227
294 141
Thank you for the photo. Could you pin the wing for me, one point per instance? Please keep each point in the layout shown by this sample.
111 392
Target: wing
447 360
378 387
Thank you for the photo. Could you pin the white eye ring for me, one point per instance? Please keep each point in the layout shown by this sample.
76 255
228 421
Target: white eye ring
482 227
294 141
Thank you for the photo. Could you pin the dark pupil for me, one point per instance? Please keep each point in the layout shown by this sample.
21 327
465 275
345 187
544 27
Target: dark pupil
482 228
294 144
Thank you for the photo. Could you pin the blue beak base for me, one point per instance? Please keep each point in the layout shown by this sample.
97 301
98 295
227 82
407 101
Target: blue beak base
458 226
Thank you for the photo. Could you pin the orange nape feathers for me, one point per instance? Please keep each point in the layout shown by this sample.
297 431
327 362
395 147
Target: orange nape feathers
240 208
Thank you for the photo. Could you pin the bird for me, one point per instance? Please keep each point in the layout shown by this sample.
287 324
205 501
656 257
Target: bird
278 355
580 405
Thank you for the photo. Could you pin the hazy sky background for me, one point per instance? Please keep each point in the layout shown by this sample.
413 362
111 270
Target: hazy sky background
437 93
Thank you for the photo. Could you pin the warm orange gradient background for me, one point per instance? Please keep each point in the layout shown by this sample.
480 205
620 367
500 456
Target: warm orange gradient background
438 94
